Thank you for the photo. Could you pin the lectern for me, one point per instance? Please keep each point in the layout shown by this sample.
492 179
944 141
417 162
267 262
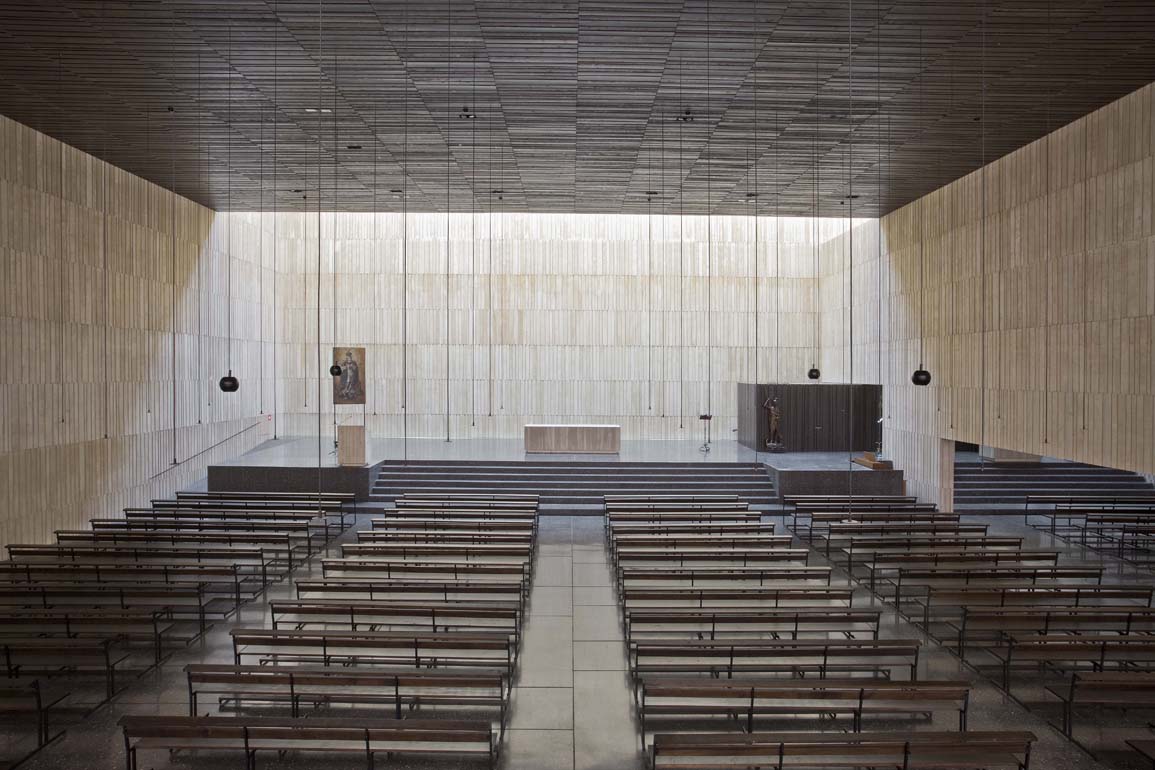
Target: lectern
351 445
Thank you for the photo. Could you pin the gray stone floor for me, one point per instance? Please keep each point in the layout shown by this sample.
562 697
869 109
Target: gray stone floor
571 704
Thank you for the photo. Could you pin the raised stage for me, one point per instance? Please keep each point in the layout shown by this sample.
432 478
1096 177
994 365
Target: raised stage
569 481
828 473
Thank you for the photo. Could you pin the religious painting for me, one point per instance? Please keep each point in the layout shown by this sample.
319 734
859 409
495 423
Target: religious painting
349 385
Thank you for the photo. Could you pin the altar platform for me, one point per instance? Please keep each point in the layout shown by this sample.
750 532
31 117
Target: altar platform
300 464
828 473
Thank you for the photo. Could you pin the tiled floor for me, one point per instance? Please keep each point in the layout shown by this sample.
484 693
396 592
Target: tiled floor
571 704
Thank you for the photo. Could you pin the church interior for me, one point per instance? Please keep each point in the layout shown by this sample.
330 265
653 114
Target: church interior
674 385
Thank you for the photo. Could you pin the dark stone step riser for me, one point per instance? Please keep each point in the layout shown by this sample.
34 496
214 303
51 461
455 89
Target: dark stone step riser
457 465
559 477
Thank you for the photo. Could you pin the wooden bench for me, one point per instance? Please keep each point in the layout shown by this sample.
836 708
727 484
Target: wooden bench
675 528
652 623
944 603
46 656
416 591
915 580
340 508
942 751
997 622
1121 690
743 702
793 657
613 499
253 560
253 735
23 700
712 555
434 616
884 566
275 545
673 597
400 691
824 499
381 544
450 503
805 523
454 524
188 602
362 562
216 578
154 627
481 537
476 649
776 576
1064 652
670 517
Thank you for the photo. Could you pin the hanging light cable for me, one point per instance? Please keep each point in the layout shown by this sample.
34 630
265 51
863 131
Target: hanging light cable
814 373
229 383
448 205
921 376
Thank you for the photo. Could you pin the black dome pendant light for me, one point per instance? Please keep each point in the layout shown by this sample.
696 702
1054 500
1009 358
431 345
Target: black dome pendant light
815 373
229 383
921 376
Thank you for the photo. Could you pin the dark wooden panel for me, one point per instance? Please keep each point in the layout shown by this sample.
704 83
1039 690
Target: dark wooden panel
816 417
575 103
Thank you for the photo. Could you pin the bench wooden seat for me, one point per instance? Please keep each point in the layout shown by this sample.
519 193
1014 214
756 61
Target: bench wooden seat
473 502
938 750
746 701
723 576
145 554
987 627
254 735
187 602
276 546
415 591
454 524
713 555
806 523
795 499
363 561
641 498
48 656
1122 690
155 627
481 537
674 528
667 540
909 570
381 544
655 623
774 657
216 578
1067 652
22 700
304 688
944 603
673 597
661 517
442 616
476 649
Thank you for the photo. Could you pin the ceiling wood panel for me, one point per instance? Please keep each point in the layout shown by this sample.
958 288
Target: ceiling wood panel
256 104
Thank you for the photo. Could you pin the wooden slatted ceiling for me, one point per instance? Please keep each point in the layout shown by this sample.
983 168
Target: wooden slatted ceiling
575 100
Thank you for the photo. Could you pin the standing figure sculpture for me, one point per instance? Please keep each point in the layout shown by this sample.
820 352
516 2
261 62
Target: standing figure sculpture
773 423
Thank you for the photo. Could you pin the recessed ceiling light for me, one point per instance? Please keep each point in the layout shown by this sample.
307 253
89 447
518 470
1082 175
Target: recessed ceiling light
310 109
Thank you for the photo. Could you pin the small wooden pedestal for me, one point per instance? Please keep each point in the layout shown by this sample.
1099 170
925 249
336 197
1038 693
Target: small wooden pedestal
351 445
